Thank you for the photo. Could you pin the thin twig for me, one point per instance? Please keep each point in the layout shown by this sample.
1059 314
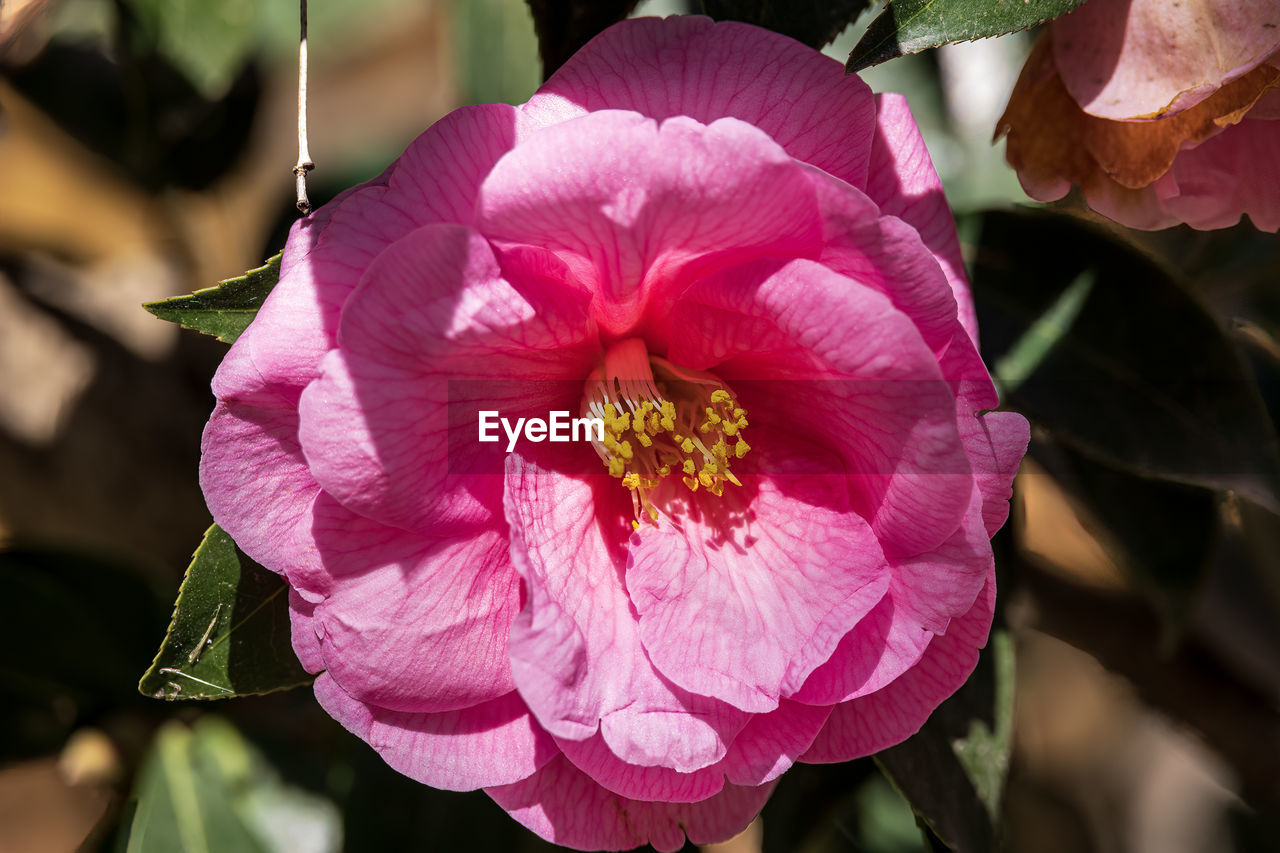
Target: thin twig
304 164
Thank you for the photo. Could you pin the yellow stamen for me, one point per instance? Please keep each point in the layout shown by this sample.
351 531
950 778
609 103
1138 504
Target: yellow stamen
661 420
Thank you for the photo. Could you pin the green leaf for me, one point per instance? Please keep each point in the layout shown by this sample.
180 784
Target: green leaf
811 21
952 772
205 789
910 26
230 630
226 310
1142 379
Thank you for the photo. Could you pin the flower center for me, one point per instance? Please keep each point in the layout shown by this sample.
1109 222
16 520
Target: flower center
663 421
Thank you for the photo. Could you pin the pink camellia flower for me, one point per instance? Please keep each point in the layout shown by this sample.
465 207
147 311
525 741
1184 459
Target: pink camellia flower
1161 112
706 235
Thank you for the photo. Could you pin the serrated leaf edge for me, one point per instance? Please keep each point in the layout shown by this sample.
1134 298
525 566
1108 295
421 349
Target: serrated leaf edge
164 645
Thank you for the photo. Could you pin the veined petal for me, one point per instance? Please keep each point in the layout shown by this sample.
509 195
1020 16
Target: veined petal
430 337
895 712
742 596
691 66
256 481
414 624
564 805
494 743
903 182
630 204
830 360
576 653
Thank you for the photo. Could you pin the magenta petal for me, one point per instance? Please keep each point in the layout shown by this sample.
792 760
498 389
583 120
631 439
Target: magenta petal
996 443
627 203
593 757
770 743
890 715
256 482
887 255
432 321
840 364
302 632
743 604
563 805
413 624
438 176
881 647
575 648
495 743
690 66
298 323
903 182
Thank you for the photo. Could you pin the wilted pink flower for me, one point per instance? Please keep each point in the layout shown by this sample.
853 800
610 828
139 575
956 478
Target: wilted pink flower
711 230
1161 112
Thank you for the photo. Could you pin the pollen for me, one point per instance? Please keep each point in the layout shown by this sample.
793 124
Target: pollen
663 422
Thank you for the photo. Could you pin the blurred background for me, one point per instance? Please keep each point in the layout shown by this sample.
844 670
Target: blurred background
146 149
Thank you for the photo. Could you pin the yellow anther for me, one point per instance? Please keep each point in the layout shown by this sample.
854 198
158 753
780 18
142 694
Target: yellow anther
635 525
663 420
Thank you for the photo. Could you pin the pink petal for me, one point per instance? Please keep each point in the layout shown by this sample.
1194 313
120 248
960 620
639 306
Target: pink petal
933 588
829 360
891 715
1235 172
593 757
887 255
256 481
770 743
413 624
628 203
435 180
438 177
996 443
884 645
742 597
496 743
563 805
1145 57
575 647
692 67
903 182
298 323
434 335
306 643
